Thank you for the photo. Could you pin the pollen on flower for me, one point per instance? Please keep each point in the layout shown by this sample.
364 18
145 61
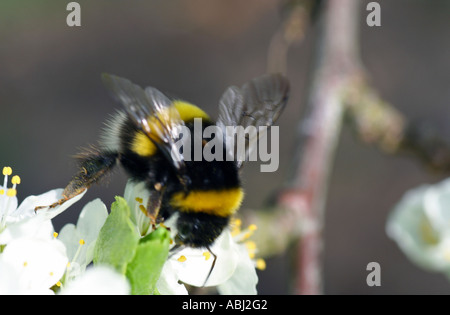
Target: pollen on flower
242 236
235 226
15 180
11 192
207 255
82 242
2 191
142 208
250 245
260 264
182 258
236 222
7 171
55 234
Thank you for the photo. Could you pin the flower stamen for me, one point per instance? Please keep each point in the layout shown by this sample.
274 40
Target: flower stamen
81 242
182 258
9 192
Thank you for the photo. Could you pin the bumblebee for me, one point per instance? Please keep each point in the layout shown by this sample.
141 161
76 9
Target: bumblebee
142 136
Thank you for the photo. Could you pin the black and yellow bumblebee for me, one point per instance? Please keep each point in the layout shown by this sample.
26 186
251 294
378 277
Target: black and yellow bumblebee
141 138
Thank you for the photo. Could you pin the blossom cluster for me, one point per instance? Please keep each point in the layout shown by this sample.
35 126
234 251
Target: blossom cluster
111 253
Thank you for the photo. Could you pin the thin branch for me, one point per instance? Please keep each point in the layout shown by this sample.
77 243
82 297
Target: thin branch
376 121
339 87
300 207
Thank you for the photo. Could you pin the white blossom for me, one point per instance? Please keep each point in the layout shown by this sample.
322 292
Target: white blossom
420 224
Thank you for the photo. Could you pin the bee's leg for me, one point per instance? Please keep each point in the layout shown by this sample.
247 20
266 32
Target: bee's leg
212 266
93 166
154 204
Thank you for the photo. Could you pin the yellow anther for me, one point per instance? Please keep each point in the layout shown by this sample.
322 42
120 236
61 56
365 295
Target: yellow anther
58 284
11 192
251 255
182 258
142 208
68 265
236 222
250 245
207 255
25 263
252 227
247 235
15 179
51 273
260 264
82 242
55 235
7 170
2 191
140 200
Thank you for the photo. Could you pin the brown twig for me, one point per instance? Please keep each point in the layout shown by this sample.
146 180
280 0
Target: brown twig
339 86
300 207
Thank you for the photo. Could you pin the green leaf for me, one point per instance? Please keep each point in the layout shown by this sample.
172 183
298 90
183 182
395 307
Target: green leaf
144 270
118 240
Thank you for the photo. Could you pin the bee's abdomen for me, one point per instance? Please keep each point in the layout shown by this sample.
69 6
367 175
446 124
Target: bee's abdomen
223 202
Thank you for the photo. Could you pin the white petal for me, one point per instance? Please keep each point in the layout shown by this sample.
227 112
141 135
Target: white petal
40 264
53 212
70 237
90 221
415 234
244 279
195 269
9 284
35 227
436 204
98 281
26 208
168 281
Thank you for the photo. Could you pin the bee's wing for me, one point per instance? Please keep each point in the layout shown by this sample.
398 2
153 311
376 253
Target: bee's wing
257 103
141 105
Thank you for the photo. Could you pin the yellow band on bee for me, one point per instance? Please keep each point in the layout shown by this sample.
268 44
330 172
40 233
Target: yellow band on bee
143 146
221 203
189 111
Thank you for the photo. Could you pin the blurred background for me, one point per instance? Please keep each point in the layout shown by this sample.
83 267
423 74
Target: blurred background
52 102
